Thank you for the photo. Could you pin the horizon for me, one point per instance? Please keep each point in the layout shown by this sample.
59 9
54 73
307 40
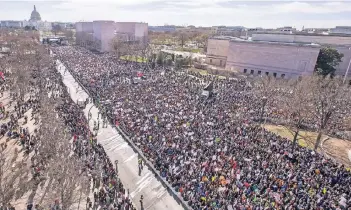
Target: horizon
205 13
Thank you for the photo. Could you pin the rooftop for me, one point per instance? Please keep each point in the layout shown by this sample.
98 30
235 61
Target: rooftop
305 34
236 39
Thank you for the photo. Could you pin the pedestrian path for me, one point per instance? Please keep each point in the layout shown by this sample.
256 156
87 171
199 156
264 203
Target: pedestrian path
154 193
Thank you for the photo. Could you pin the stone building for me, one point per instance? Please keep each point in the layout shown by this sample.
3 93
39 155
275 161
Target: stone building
261 57
36 22
98 35
342 43
280 60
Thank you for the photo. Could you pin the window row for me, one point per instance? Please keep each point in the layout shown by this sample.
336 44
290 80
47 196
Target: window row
266 73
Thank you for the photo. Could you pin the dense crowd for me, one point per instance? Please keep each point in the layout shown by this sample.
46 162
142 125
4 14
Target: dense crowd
209 149
108 191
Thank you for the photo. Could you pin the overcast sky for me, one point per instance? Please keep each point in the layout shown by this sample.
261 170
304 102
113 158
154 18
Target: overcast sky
268 14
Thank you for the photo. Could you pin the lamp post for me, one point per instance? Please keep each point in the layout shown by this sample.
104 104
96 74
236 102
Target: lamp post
89 114
264 102
347 70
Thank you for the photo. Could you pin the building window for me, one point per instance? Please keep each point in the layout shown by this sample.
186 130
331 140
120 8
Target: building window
220 62
282 76
267 73
210 60
252 71
259 72
274 74
245 71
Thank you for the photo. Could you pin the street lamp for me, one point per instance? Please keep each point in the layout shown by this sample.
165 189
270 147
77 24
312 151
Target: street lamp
264 102
348 68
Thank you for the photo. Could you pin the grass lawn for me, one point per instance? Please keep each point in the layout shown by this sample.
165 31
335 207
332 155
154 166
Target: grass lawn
139 59
188 50
305 138
335 148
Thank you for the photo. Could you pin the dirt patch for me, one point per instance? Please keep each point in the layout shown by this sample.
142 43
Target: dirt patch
338 149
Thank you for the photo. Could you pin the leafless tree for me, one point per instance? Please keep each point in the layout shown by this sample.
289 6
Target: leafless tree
182 39
266 89
13 174
295 102
330 97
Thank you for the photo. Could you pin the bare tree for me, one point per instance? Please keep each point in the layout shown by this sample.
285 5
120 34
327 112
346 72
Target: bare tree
182 39
13 174
266 88
295 100
330 96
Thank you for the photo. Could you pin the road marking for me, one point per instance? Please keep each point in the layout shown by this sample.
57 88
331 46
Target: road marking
113 147
141 186
110 138
130 158
161 193
122 146
144 177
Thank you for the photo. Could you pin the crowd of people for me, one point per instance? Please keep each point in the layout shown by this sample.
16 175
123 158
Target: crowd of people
108 191
209 148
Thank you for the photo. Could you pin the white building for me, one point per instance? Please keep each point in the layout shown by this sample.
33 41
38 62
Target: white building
98 35
11 24
341 30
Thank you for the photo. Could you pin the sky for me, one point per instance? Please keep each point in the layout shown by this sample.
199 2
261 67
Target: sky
266 14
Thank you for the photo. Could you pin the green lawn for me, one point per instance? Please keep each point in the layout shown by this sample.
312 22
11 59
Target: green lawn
138 59
188 50
305 138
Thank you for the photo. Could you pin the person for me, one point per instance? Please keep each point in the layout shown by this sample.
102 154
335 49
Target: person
141 201
140 163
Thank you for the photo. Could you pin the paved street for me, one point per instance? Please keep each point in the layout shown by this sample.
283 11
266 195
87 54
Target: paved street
155 194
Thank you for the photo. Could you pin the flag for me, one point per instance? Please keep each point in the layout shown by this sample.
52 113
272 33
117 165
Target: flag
2 75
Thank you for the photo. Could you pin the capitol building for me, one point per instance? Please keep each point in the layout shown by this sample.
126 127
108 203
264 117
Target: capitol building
34 21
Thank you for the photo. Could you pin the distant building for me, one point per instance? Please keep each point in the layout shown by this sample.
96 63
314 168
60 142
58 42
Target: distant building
316 30
341 30
235 31
36 22
166 28
277 59
340 42
286 29
193 29
11 24
64 25
281 60
98 35
35 16
287 55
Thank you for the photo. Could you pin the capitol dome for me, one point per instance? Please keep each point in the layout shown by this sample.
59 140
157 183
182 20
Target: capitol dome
35 16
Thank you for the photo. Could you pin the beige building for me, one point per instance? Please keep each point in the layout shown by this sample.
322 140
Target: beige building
277 59
98 35
262 58
217 51
340 42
